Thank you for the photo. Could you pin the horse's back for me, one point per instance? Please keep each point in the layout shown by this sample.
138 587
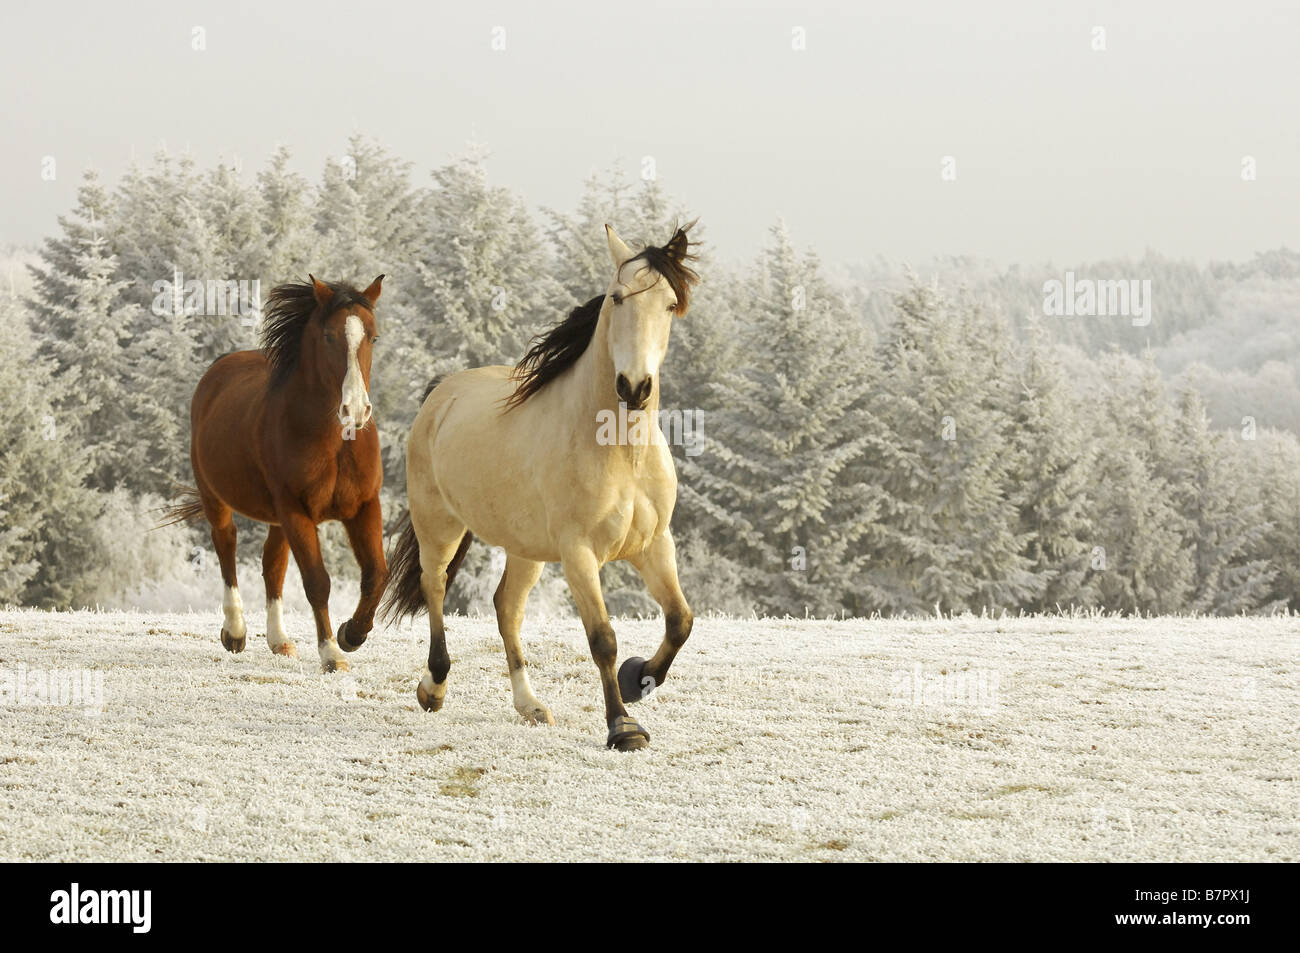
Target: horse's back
478 391
491 381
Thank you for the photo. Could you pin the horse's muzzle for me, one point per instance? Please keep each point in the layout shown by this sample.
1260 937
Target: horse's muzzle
635 397
358 417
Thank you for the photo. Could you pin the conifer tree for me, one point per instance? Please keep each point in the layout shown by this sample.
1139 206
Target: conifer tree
941 455
46 512
1140 533
89 348
1051 480
771 480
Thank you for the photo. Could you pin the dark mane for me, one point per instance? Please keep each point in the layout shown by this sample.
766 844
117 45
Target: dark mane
554 352
289 308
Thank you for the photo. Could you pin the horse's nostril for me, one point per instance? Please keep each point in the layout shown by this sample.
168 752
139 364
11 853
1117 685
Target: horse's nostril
634 397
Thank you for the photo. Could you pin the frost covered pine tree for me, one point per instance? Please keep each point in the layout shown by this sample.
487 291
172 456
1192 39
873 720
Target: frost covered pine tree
78 299
1224 515
1271 461
159 230
287 228
641 211
233 214
1140 562
165 366
483 270
1052 474
941 453
46 511
369 217
770 484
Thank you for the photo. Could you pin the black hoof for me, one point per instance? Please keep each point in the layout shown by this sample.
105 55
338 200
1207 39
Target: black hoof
626 735
633 684
342 637
232 644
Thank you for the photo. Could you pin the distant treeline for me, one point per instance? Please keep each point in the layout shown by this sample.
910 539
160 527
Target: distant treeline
882 442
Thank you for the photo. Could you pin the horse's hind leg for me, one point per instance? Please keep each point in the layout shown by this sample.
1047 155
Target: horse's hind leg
439 536
511 596
637 678
233 631
275 560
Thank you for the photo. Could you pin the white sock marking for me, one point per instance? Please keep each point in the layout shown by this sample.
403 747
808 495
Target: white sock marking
233 607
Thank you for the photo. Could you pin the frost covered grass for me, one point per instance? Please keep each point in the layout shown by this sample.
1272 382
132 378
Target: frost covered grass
1048 738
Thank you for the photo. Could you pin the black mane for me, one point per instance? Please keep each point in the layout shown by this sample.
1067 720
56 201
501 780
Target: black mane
289 308
554 352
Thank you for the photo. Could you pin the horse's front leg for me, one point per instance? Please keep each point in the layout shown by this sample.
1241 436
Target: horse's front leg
366 534
300 531
637 678
582 570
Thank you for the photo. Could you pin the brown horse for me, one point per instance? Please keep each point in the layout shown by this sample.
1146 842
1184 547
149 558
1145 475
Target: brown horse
286 435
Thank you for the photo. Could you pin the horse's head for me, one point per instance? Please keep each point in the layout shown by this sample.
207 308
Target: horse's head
648 289
338 341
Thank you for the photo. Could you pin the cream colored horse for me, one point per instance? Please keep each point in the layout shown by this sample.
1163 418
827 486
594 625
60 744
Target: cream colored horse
520 458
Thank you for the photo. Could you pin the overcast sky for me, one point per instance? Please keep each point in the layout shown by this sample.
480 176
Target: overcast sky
1061 152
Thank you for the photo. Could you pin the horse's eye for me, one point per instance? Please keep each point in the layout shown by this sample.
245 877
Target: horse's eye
616 298
374 339
672 307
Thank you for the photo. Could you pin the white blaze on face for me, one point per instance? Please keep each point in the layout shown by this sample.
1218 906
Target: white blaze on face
640 326
355 402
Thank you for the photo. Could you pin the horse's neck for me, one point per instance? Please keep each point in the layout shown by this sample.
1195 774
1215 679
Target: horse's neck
311 405
591 388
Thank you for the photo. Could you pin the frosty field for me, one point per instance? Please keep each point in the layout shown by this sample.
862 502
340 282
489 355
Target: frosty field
945 739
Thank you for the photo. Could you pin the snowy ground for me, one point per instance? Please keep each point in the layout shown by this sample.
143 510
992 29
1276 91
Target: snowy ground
965 739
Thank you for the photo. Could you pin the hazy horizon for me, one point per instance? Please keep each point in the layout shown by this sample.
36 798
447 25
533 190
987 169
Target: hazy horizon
1063 153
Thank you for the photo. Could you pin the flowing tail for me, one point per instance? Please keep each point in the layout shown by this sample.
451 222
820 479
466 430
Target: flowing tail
187 508
405 596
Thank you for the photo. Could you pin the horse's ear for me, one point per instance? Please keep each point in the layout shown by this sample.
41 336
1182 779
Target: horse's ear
372 293
321 291
618 251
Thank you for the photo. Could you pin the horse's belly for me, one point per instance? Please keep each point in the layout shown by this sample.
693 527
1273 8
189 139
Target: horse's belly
506 520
